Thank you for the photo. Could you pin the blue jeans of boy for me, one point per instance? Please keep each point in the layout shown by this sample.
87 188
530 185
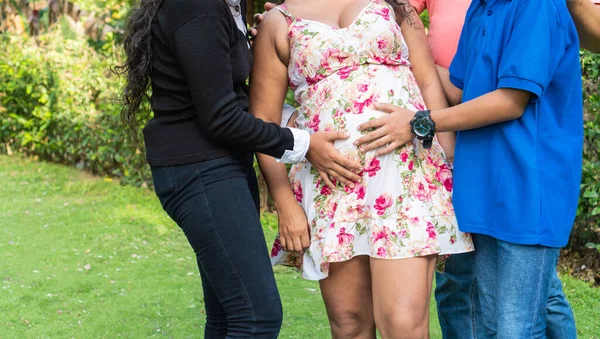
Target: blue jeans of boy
519 292
456 297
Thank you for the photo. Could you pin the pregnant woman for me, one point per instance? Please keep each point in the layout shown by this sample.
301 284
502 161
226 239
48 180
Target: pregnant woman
374 242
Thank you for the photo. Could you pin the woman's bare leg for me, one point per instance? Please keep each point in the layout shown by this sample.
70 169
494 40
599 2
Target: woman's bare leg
401 294
347 296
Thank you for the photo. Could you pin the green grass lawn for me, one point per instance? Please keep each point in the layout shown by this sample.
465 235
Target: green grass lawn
82 257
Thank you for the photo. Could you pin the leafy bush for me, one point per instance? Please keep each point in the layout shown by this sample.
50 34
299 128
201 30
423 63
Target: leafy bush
57 103
587 226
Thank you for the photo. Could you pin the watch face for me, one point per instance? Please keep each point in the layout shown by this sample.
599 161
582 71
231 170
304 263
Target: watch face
422 127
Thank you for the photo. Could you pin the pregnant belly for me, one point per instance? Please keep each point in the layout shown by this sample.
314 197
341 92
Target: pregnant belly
343 103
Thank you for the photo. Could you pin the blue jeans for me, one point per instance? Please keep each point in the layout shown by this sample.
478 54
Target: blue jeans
456 297
215 203
519 291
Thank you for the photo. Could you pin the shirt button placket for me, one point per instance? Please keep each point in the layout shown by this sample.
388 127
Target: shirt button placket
489 13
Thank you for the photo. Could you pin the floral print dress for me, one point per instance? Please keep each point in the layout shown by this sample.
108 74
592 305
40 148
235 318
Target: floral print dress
402 207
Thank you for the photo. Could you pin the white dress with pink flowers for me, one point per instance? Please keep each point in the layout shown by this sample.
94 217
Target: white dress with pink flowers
402 208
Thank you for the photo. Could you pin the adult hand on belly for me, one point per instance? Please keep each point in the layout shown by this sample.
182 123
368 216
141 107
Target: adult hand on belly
391 131
329 162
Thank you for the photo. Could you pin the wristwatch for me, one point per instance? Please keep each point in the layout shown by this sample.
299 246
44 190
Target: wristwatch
423 127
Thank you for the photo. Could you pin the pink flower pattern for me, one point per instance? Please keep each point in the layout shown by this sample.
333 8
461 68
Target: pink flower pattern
344 238
276 248
444 175
313 123
297 188
402 206
373 166
383 203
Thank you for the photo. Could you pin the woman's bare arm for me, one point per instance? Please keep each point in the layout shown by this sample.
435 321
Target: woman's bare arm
268 86
425 71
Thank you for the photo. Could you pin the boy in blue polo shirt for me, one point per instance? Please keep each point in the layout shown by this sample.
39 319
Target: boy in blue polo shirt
518 156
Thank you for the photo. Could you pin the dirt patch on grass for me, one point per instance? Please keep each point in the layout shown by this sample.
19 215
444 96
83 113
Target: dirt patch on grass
583 264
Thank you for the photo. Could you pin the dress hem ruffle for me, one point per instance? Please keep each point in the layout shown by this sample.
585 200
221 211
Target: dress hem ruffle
279 260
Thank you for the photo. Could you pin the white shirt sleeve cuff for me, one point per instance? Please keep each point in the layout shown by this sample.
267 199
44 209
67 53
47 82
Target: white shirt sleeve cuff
301 144
286 114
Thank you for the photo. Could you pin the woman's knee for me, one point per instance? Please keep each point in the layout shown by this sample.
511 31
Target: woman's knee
403 322
351 323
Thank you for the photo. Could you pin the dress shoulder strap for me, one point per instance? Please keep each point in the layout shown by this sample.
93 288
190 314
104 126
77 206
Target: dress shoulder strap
288 16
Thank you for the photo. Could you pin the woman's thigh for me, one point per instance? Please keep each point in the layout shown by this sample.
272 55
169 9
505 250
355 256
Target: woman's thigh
347 296
401 295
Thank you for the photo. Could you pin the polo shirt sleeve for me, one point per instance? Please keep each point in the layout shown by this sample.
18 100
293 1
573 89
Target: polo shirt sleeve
534 49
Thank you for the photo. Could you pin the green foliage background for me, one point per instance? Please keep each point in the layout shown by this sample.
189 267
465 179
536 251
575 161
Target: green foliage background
58 102
587 226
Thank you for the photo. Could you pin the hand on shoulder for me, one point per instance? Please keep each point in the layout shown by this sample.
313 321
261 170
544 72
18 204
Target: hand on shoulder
258 18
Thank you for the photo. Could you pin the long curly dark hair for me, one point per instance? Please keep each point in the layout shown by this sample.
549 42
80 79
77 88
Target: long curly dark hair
138 65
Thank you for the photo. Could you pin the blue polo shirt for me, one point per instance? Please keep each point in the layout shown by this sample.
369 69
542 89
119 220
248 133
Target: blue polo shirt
518 181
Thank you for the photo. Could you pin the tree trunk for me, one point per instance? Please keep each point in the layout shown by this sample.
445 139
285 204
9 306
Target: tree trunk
249 12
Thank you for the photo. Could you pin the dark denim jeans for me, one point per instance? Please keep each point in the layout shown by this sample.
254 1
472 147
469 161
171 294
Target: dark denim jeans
216 205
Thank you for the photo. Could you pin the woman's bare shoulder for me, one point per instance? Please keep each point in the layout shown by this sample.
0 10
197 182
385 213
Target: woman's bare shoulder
274 28
273 21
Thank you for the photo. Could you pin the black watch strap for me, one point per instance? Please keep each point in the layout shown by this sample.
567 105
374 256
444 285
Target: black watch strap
427 143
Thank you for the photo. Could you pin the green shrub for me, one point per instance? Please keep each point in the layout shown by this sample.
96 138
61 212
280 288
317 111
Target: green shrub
58 103
587 225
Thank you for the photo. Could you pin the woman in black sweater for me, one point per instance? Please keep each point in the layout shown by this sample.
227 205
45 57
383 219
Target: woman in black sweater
196 57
